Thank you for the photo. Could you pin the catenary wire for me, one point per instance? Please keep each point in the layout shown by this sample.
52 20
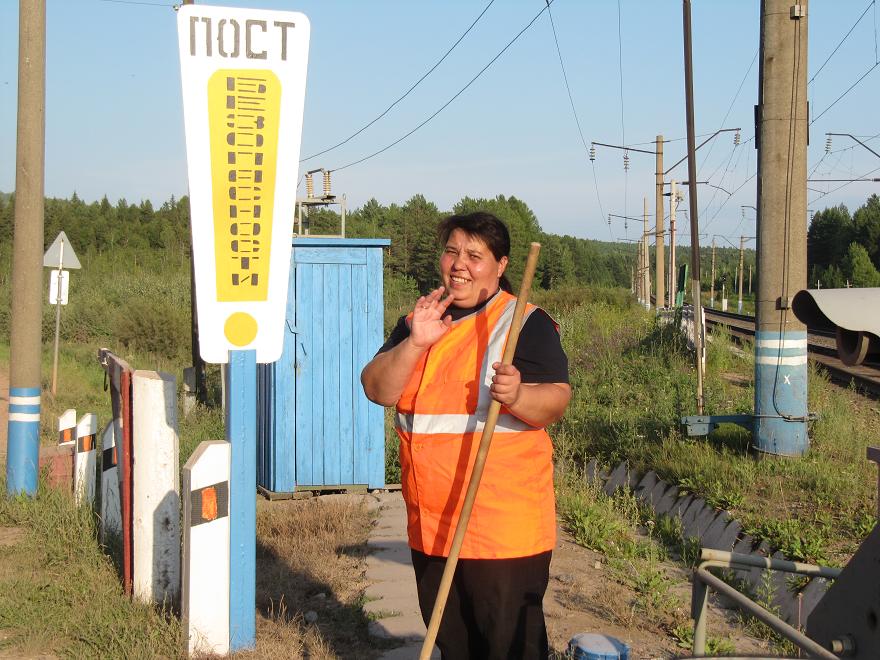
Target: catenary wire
730 107
851 87
455 96
837 47
405 94
574 112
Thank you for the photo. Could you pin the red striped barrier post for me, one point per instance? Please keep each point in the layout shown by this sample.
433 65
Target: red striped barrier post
205 584
119 382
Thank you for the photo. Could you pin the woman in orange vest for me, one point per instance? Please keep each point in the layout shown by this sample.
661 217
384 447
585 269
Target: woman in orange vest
441 368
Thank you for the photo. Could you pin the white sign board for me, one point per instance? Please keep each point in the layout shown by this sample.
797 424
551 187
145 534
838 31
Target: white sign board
244 76
54 276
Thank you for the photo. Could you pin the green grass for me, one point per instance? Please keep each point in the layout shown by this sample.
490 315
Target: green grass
632 380
60 593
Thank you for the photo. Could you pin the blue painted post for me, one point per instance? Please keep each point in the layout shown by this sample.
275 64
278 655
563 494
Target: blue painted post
241 432
781 392
23 447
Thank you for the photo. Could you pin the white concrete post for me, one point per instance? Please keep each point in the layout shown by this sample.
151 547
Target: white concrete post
156 488
205 587
67 427
111 508
85 461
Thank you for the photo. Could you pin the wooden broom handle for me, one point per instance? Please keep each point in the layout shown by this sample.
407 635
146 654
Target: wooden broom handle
480 461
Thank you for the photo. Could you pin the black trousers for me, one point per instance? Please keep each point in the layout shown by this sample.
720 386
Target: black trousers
494 610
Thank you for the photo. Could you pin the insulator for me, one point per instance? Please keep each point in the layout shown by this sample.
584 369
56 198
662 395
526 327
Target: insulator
737 139
828 145
592 152
326 183
310 186
626 161
609 219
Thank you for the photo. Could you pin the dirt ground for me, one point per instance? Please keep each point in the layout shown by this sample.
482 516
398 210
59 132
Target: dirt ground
583 596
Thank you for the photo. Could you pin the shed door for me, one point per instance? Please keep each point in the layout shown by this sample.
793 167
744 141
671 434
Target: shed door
332 325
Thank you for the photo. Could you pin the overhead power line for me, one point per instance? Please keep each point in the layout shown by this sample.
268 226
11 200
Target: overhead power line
574 112
407 92
455 96
851 87
837 47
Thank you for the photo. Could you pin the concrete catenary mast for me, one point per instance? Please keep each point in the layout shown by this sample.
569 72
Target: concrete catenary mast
780 425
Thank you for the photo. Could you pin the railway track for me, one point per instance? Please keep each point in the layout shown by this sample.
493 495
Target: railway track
822 348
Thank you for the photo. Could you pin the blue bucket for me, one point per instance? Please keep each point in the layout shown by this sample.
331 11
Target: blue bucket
594 646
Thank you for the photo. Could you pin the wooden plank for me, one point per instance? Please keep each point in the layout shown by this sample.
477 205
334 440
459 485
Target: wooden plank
331 255
265 410
346 374
274 496
324 488
376 419
156 497
119 378
362 353
205 583
111 507
319 331
331 411
283 394
303 373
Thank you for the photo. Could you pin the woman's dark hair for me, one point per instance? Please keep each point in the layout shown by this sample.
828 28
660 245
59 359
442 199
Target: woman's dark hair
487 228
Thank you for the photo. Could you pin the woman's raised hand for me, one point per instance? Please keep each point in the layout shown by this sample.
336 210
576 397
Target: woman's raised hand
429 320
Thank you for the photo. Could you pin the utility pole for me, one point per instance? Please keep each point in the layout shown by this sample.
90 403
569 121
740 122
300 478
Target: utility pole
25 345
780 338
640 278
712 283
660 229
750 279
692 190
673 275
739 304
647 257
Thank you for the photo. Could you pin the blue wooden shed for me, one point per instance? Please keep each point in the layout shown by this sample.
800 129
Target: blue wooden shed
315 426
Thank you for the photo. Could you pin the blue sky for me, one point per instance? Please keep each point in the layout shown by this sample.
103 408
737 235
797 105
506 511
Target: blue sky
114 122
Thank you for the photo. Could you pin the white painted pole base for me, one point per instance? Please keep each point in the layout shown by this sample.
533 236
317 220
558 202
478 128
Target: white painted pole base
156 488
85 461
205 587
111 507
67 427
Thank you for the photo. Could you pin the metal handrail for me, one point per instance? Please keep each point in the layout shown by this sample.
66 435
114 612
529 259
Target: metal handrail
703 580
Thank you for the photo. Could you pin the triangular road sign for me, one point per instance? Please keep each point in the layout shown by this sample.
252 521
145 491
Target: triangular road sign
55 256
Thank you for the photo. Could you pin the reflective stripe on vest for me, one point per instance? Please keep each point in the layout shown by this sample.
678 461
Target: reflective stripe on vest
458 424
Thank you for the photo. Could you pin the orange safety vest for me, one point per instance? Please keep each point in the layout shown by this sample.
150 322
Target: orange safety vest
440 418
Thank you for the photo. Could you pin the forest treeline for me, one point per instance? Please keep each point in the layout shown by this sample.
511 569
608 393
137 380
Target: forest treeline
842 247
101 226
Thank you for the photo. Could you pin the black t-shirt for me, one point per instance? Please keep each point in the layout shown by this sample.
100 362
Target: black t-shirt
539 355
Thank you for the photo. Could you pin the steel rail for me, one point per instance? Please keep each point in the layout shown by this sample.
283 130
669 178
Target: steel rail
866 376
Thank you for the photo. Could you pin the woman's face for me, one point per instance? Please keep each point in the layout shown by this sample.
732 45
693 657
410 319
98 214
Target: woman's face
469 270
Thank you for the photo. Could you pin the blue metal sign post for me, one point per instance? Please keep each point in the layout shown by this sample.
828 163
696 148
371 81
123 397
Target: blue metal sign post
241 432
